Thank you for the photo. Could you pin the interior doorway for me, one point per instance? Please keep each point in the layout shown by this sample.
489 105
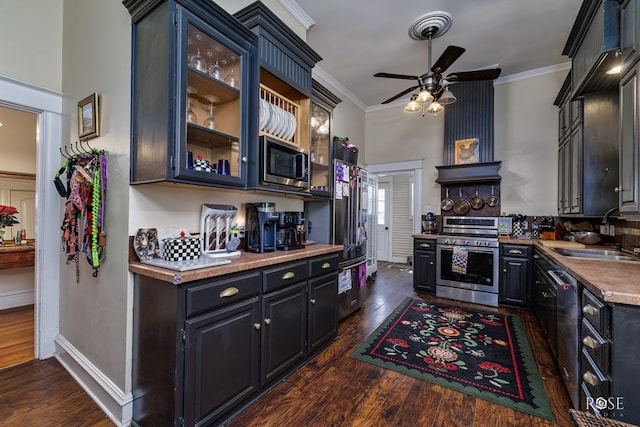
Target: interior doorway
47 106
18 167
399 201
383 219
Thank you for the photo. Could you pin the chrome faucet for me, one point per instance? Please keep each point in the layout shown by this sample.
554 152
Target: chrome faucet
608 213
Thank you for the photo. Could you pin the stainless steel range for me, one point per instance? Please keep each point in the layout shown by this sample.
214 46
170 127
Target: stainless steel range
468 260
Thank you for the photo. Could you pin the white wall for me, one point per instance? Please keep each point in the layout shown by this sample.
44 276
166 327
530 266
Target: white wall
526 141
31 44
393 136
17 140
95 313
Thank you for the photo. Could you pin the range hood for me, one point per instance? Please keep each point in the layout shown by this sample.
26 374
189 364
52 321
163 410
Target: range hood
469 173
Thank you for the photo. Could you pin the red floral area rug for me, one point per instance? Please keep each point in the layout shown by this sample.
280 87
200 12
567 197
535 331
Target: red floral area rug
483 354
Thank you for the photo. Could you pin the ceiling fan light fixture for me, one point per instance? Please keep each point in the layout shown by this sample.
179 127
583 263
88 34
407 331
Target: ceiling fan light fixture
434 108
447 97
424 96
413 106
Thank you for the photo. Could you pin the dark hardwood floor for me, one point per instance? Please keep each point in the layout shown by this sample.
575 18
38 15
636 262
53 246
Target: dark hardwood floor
336 390
16 336
331 390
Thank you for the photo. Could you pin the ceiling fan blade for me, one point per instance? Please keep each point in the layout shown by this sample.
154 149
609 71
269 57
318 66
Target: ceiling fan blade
404 92
395 76
448 57
467 76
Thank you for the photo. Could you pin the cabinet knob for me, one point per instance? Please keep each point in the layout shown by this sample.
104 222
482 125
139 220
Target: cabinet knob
267 321
244 159
430 262
326 265
588 341
229 292
589 310
313 301
288 275
590 379
257 326
515 251
504 270
617 189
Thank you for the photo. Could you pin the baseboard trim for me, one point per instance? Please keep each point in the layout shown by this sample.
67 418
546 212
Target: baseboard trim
117 404
16 299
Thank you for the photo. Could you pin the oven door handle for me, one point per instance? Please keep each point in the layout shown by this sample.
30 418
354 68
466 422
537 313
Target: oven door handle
470 248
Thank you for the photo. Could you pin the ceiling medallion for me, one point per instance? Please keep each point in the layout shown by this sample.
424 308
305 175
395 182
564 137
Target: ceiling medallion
432 24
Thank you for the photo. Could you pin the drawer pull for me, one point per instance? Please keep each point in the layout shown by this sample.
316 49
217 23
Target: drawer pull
588 341
590 379
589 310
229 292
257 326
267 321
313 301
425 245
326 265
288 275
515 251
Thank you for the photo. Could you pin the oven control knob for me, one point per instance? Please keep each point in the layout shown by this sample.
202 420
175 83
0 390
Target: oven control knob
466 242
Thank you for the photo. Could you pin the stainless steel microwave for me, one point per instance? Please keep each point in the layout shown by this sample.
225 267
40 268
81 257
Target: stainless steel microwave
283 164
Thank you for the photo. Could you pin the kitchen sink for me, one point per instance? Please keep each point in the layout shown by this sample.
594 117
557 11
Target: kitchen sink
612 255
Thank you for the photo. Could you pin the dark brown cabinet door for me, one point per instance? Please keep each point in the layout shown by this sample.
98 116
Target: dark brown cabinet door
283 330
323 311
221 367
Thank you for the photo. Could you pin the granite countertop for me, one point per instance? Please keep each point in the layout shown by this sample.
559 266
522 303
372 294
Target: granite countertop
613 281
246 261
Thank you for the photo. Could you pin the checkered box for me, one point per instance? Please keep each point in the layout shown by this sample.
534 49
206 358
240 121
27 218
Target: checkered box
181 248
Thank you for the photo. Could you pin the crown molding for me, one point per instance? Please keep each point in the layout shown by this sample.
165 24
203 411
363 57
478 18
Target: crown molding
323 75
565 66
298 12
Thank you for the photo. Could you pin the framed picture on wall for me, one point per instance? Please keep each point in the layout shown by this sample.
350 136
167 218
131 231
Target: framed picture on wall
467 151
88 117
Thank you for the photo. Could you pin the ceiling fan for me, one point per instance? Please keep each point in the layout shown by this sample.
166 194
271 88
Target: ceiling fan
433 87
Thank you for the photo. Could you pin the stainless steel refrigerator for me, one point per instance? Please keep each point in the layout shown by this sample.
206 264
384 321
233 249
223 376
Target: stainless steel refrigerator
350 230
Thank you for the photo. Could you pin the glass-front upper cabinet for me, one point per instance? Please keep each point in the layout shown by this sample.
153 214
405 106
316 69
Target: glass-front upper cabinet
192 108
320 151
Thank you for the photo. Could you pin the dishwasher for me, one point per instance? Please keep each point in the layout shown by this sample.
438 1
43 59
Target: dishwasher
568 321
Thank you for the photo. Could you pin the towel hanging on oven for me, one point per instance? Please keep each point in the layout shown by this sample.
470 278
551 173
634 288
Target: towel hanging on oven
459 259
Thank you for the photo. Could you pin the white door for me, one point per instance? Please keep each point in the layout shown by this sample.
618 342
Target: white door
383 221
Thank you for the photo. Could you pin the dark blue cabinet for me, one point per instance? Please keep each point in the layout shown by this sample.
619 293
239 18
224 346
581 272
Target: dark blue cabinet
191 99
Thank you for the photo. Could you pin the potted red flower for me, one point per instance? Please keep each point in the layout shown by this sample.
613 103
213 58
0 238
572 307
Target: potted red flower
7 219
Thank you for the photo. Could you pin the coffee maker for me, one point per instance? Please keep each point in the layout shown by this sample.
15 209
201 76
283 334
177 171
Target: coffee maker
261 220
290 234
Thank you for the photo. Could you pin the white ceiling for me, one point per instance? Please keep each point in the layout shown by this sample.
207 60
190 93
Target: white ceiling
358 38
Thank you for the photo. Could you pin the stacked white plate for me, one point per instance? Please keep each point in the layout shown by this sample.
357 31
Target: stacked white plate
276 121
